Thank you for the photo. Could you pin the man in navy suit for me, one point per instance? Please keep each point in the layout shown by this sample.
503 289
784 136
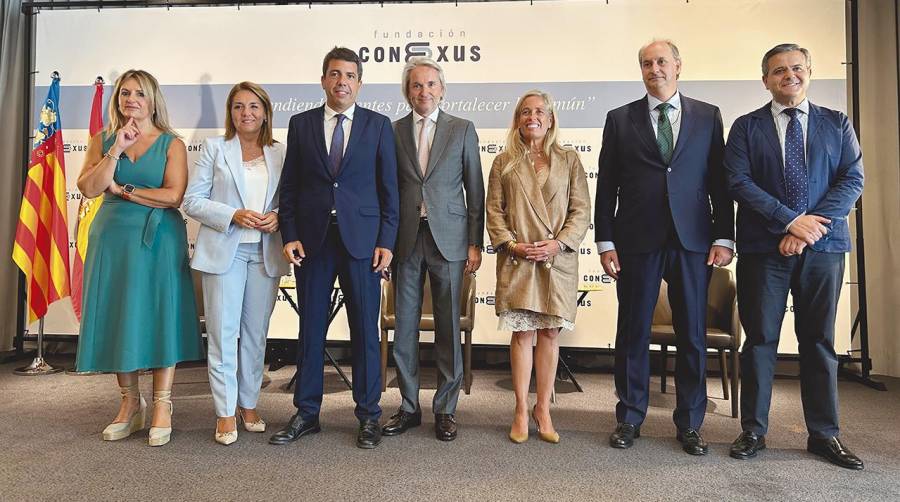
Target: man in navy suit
661 163
796 171
338 216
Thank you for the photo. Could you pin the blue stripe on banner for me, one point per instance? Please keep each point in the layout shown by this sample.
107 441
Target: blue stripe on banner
488 105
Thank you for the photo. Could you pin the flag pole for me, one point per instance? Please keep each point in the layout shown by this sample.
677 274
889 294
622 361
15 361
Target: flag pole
84 207
38 366
25 246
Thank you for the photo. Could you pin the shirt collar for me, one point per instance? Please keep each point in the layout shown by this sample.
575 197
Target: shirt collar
348 113
675 101
433 116
777 107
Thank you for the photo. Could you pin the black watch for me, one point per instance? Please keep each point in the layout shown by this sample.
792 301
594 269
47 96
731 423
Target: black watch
128 188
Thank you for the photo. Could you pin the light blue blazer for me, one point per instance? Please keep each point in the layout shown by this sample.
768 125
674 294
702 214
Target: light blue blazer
215 191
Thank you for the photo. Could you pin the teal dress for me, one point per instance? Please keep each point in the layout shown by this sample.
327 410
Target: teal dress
138 307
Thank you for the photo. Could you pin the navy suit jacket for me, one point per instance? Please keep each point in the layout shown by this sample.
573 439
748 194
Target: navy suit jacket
691 188
364 192
755 173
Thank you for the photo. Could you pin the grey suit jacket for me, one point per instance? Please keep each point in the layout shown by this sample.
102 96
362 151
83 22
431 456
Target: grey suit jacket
452 187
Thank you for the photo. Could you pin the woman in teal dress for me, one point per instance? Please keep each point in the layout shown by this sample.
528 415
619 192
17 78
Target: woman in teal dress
138 300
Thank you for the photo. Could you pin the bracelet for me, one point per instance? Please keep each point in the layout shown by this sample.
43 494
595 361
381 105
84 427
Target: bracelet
511 246
111 156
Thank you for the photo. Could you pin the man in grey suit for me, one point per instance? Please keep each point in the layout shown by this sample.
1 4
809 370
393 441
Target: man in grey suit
441 232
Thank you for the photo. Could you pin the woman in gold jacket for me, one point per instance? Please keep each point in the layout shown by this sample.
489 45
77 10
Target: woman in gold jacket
538 210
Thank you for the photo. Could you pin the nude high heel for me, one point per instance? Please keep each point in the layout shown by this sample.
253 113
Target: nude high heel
518 438
258 426
226 438
161 435
121 430
550 437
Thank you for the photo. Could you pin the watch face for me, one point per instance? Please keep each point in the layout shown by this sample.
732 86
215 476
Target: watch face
128 188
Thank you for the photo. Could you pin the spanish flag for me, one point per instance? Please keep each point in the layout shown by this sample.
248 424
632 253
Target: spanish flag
87 209
41 249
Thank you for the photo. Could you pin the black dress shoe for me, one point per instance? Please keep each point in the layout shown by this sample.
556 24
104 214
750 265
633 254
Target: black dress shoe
747 445
444 426
692 442
835 452
295 429
401 421
624 435
369 434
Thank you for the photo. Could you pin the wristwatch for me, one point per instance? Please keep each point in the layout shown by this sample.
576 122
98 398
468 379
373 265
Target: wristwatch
128 188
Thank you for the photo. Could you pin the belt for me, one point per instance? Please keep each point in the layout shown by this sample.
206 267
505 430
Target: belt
153 221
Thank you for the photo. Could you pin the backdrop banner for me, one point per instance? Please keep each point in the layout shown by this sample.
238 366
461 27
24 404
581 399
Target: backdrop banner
583 53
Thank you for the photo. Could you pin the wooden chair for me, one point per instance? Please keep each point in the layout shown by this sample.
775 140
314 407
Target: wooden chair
466 323
723 330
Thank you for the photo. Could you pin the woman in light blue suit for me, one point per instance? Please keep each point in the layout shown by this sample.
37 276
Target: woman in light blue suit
232 192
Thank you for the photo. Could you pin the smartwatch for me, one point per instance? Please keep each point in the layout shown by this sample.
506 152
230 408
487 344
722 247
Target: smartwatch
128 188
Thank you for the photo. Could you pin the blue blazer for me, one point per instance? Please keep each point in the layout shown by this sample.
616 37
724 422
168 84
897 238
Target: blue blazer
633 175
755 172
364 192
214 192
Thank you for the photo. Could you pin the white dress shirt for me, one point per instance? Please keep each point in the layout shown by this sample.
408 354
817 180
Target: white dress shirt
430 123
782 119
674 114
331 122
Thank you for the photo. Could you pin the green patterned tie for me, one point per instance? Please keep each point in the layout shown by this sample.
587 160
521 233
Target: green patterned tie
664 132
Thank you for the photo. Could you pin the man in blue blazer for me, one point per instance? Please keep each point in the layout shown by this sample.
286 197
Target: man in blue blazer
661 164
796 171
338 216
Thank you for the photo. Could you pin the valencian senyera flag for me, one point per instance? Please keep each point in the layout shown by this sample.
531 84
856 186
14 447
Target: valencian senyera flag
87 209
41 248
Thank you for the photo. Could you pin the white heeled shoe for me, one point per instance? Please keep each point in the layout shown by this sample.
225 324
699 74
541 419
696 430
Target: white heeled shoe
226 438
121 430
258 426
161 435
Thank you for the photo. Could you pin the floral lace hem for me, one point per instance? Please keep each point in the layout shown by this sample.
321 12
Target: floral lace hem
527 320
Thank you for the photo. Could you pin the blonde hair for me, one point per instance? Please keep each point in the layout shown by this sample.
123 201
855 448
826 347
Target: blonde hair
265 133
516 148
159 117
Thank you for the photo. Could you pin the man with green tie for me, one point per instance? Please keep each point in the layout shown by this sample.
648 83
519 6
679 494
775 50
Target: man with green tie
662 211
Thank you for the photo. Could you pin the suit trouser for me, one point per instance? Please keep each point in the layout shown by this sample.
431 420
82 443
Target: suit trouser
236 304
763 282
638 286
446 281
361 288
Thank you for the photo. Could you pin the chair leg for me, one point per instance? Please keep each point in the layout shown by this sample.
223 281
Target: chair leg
735 372
664 365
467 362
384 354
723 369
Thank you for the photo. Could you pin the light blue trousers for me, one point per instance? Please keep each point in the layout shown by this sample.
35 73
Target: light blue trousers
238 304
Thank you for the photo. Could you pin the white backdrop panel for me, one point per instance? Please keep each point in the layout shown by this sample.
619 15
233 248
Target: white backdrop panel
584 53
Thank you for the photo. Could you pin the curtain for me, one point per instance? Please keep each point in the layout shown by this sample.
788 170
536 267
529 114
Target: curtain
13 61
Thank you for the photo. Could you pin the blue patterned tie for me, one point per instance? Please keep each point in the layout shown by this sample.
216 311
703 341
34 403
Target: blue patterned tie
336 153
795 181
